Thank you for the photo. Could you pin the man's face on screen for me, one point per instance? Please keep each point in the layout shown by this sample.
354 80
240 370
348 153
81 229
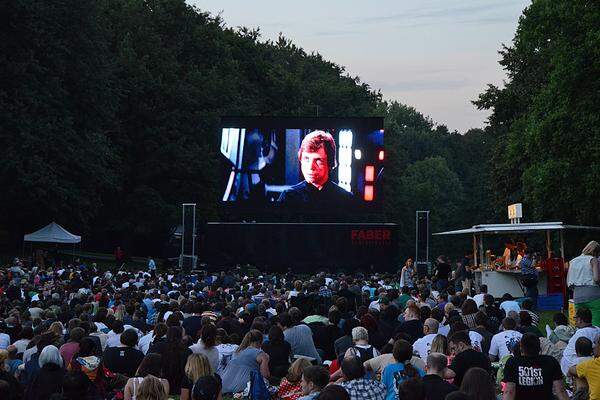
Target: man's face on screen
314 167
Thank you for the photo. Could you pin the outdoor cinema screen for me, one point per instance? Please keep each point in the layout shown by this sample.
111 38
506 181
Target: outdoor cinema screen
316 163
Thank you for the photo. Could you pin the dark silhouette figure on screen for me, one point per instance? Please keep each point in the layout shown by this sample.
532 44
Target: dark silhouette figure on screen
317 160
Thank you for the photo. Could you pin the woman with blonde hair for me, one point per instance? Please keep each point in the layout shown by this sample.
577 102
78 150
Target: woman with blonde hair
291 386
151 388
440 345
584 277
58 331
196 367
150 366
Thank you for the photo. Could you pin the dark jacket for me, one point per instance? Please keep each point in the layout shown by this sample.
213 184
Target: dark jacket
47 382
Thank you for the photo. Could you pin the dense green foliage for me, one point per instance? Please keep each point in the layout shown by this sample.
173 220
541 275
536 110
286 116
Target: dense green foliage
545 120
109 111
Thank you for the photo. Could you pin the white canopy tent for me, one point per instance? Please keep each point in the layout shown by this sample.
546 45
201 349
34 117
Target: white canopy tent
52 233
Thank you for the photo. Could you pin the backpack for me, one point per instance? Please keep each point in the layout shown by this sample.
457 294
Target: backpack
258 388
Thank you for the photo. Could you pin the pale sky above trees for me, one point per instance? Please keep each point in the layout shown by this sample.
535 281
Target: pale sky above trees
434 55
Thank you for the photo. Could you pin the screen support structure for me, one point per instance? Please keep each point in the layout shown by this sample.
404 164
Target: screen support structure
188 258
422 242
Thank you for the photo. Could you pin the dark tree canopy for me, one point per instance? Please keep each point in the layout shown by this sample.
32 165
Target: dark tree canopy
109 111
545 120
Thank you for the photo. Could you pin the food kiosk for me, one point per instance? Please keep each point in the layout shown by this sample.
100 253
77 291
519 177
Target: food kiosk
552 269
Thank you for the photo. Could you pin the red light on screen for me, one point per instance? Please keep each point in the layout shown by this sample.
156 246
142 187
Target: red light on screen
370 173
381 155
368 193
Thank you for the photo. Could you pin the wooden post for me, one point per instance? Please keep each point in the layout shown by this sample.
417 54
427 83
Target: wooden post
548 244
474 250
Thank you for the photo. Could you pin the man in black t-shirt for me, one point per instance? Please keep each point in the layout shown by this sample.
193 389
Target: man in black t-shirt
533 376
465 357
124 359
193 323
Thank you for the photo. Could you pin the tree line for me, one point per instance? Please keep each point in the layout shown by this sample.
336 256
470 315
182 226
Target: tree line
109 111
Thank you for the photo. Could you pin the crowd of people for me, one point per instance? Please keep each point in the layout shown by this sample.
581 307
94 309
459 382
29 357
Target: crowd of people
73 331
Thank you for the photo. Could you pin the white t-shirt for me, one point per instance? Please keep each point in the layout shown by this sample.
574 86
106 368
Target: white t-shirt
444 330
225 353
21 345
569 354
501 342
510 305
28 353
479 299
145 341
476 340
422 346
374 305
113 340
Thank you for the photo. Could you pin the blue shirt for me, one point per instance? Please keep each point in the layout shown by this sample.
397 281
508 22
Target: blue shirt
392 376
527 267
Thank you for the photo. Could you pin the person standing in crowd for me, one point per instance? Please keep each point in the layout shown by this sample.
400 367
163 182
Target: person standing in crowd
462 274
151 266
505 340
529 276
584 278
119 256
407 274
531 375
442 272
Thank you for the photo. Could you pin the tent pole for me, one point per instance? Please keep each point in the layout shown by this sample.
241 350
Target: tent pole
548 244
481 249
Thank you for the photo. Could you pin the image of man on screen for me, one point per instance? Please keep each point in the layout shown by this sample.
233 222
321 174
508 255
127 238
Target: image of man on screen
317 156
